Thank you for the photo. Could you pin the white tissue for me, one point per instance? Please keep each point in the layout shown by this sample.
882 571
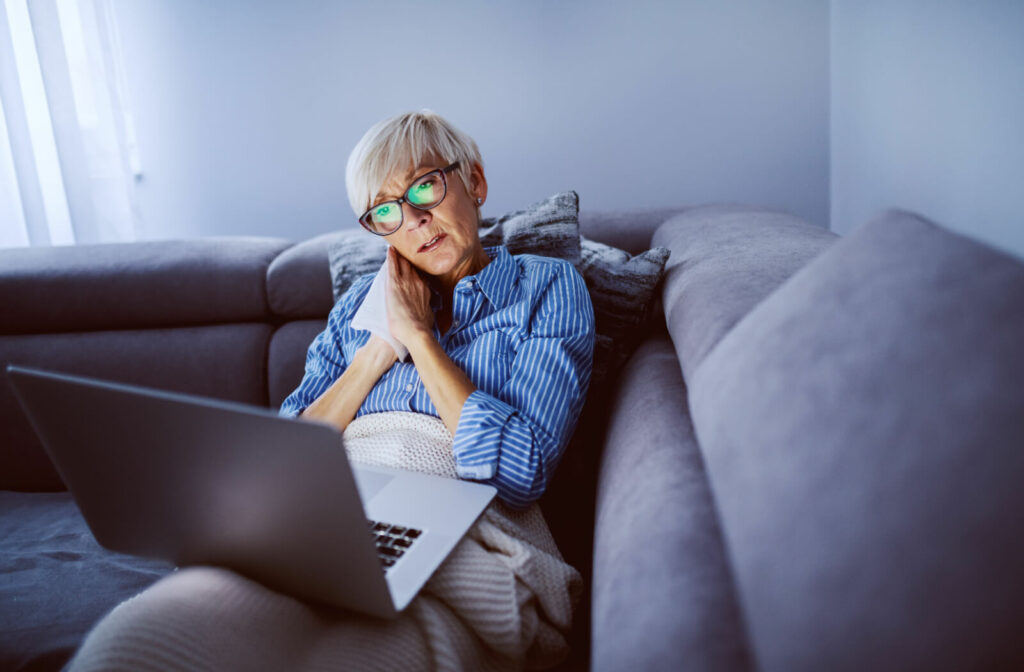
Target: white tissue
372 315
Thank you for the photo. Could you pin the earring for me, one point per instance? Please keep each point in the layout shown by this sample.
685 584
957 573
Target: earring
479 201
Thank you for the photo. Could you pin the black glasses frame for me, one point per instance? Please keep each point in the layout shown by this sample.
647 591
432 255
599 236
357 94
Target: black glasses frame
364 219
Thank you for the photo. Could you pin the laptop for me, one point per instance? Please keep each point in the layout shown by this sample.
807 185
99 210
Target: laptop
198 481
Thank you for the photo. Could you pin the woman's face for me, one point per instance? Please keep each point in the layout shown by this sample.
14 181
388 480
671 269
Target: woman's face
444 241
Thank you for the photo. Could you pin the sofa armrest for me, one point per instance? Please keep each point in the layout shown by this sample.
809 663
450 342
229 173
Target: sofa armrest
662 590
725 260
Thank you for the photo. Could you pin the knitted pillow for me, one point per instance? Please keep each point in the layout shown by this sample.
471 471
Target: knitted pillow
549 228
621 289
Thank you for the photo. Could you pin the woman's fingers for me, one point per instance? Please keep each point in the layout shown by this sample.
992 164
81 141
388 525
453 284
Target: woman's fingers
401 268
392 263
408 297
395 270
400 272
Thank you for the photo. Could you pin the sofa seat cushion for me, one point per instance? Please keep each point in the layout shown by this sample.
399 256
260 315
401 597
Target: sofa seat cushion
725 260
222 361
663 596
55 580
135 285
863 429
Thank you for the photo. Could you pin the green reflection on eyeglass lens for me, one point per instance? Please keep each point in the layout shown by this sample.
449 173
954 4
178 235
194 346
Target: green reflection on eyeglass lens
423 193
389 212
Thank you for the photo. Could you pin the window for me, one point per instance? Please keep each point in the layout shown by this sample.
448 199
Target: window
68 159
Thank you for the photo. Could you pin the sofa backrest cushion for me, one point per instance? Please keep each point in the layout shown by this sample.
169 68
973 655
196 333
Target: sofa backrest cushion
225 361
864 435
299 280
286 357
628 230
725 260
135 285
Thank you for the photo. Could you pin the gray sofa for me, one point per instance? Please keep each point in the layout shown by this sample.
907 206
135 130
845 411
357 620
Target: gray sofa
812 461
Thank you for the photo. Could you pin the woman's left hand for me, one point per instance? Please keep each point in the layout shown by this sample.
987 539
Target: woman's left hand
408 300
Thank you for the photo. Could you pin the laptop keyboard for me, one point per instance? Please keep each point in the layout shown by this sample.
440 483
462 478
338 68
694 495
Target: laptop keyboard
392 541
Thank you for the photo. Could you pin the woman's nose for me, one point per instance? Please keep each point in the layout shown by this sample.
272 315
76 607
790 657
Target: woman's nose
414 217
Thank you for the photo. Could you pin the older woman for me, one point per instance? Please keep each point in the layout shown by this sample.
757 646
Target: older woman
500 350
501 345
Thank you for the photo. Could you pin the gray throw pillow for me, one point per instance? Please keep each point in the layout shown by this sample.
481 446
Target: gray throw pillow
549 228
622 289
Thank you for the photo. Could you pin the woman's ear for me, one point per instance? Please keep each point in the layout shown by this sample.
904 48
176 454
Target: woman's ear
478 185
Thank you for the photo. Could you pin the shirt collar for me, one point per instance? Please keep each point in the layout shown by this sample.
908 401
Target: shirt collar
497 278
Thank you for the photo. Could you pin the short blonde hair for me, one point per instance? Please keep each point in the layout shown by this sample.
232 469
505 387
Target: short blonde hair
395 144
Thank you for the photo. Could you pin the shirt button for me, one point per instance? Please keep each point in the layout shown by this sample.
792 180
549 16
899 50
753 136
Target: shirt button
408 388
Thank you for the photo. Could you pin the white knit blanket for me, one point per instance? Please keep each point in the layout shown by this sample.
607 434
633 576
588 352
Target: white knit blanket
503 600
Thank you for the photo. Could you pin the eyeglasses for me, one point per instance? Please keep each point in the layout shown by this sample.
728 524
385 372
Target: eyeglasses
426 192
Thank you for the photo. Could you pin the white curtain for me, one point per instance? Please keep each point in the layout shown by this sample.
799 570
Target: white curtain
68 160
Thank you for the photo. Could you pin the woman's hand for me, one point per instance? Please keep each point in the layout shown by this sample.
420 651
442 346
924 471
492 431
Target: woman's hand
408 300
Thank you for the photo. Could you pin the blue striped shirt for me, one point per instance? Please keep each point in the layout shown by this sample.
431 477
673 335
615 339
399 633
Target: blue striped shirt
523 332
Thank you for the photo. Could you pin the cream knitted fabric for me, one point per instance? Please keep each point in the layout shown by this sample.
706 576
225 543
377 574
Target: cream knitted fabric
412 441
503 600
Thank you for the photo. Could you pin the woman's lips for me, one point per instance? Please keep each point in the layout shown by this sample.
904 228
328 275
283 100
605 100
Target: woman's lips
433 243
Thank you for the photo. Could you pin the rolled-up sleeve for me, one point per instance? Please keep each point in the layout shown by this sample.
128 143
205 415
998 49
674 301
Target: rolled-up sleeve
515 439
325 359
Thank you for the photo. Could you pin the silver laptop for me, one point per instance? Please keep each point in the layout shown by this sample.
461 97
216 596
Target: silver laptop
199 481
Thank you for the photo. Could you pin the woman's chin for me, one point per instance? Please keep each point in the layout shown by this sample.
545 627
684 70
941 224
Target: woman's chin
437 266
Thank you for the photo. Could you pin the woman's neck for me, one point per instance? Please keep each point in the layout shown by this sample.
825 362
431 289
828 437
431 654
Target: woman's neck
445 285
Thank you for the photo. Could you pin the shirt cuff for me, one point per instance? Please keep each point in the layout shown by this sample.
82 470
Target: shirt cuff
292 412
477 443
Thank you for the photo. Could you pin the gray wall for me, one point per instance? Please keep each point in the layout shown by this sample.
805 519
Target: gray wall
928 114
246 111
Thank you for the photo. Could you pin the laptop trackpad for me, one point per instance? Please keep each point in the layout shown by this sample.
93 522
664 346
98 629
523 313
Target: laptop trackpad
370 482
